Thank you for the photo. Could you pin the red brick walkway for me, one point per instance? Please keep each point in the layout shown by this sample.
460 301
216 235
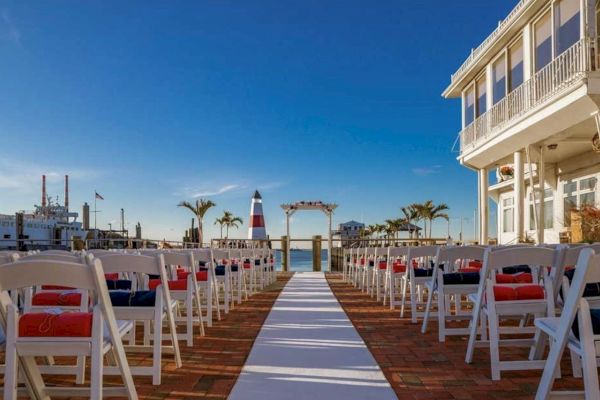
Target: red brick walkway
212 366
419 367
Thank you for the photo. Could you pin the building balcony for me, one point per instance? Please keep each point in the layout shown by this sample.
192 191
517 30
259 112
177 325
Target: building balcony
565 74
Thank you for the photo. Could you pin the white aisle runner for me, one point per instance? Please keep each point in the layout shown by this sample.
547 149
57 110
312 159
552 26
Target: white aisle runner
309 349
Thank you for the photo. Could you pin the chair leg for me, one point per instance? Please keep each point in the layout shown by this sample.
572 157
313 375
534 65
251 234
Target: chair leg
80 376
494 345
414 298
404 284
576 365
97 366
189 319
427 311
157 347
10 369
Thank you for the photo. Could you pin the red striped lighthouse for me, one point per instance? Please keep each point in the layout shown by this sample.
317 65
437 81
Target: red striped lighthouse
257 230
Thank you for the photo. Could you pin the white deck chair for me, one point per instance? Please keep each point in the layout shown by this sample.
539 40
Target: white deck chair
186 291
394 273
161 312
453 258
105 332
238 275
207 287
378 272
415 281
490 309
222 273
559 330
367 269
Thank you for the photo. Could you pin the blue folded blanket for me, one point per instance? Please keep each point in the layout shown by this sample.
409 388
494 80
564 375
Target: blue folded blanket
142 298
595 315
515 269
461 278
591 289
220 269
120 284
421 272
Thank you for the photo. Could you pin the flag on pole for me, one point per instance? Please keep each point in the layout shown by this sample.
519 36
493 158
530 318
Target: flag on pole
99 197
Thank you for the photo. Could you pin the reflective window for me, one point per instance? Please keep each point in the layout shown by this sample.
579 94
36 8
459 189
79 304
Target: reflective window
499 79
566 25
508 215
543 42
515 56
481 96
469 106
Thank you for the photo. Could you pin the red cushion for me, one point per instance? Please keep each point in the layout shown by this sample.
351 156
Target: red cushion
112 276
247 265
530 292
56 287
475 264
362 261
399 267
56 299
179 284
521 277
70 324
526 292
200 275
504 293
382 264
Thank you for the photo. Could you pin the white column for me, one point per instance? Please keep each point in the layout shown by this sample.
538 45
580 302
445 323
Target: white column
489 87
542 184
329 244
519 195
483 206
287 226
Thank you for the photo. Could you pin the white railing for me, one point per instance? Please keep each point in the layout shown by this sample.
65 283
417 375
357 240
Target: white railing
483 46
563 72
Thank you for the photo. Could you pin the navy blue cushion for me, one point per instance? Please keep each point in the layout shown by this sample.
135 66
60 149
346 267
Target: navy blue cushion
461 278
591 289
595 315
152 276
421 272
234 268
220 270
202 263
120 284
515 269
142 298
257 263
441 266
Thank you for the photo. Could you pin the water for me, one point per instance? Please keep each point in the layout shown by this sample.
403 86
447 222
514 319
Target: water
301 260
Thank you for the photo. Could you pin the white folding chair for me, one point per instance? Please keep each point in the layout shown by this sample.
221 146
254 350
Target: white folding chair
221 263
394 273
495 301
419 269
455 281
560 332
154 307
92 334
208 287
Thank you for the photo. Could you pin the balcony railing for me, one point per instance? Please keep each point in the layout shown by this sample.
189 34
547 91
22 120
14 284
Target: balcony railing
502 26
564 71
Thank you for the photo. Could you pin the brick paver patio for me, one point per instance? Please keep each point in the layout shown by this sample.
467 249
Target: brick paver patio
419 367
212 366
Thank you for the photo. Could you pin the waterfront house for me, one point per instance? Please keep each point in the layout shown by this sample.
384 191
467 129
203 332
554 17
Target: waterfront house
530 97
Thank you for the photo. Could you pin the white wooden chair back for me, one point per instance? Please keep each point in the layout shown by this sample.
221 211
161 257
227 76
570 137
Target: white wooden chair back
451 255
534 257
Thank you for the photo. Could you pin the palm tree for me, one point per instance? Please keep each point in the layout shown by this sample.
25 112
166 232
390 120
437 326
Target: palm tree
411 213
199 209
232 222
430 212
221 222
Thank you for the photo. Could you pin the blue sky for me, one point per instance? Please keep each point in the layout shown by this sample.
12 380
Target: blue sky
154 102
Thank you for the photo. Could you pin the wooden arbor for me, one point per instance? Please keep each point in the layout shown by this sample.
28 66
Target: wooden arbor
326 208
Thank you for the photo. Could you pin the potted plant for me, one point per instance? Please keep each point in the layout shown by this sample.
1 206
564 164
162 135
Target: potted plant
507 172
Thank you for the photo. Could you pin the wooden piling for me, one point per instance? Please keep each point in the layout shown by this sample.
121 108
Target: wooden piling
284 254
316 252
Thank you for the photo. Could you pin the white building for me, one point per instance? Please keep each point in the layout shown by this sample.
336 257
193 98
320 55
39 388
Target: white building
530 95
350 230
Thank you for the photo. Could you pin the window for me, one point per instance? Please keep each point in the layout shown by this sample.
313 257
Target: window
543 42
508 215
578 193
515 56
481 95
499 79
469 106
566 25
548 210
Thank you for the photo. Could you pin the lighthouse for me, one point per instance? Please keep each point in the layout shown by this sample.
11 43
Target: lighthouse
257 230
